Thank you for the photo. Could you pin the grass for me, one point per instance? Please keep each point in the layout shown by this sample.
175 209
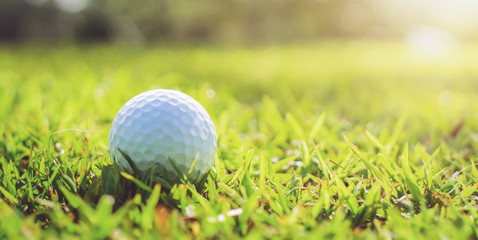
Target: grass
360 140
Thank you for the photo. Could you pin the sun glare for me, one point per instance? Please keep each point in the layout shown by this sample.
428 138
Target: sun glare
430 41
440 25
72 6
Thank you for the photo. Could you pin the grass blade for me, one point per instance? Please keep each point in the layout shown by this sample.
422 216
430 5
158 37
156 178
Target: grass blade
137 182
375 171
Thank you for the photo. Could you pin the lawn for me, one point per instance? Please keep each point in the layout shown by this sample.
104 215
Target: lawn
365 140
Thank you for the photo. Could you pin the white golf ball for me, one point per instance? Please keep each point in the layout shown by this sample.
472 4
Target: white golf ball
159 125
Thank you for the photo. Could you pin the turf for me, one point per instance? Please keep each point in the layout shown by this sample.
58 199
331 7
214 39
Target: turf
362 140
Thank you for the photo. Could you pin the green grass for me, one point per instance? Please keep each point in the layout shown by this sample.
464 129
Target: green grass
336 139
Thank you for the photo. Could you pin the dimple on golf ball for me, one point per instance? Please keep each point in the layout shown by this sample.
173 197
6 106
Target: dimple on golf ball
160 126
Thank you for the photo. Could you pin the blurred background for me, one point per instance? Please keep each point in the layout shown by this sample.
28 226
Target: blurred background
367 62
429 24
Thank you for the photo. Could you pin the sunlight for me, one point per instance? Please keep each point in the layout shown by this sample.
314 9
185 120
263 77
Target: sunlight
458 18
430 41
458 15
72 6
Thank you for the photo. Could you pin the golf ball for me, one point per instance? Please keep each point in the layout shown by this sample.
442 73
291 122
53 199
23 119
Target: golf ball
158 125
